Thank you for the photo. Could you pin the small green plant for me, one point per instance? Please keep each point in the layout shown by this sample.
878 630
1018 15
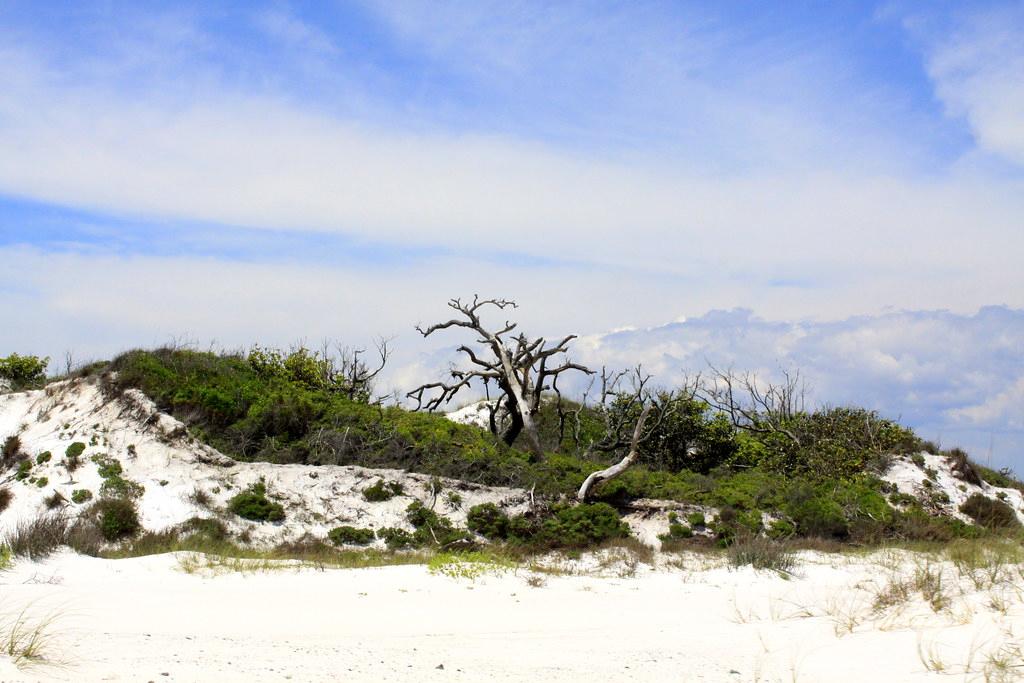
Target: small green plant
43 457
75 449
917 459
24 467
453 500
381 491
676 532
107 467
42 481
696 519
431 528
79 496
488 520
119 487
397 539
350 535
254 505
117 518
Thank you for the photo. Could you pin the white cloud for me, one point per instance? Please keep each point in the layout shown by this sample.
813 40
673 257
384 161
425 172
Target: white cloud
978 70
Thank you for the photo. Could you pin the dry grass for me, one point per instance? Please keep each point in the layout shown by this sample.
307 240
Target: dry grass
37 538
28 641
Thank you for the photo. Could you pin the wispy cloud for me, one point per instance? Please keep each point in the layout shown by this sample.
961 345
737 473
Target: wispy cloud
976 60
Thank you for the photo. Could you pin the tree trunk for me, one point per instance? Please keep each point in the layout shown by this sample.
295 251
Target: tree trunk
618 468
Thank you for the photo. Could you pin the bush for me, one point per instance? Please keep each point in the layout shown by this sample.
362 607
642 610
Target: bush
962 467
79 496
42 481
43 457
118 487
431 528
5 498
116 517
23 371
382 491
582 525
350 535
990 513
75 449
397 539
24 467
676 532
815 514
253 504
488 520
107 467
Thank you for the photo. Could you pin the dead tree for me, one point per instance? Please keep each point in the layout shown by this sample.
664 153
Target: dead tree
522 368
354 376
630 418
753 406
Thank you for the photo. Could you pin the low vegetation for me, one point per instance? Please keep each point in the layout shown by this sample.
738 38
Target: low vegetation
769 475
253 504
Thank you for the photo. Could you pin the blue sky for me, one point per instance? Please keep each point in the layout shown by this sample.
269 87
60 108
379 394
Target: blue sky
278 171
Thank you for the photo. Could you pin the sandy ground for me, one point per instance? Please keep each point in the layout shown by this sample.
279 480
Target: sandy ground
148 620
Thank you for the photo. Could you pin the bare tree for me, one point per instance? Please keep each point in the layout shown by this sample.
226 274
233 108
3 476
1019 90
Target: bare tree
522 368
753 406
630 417
353 375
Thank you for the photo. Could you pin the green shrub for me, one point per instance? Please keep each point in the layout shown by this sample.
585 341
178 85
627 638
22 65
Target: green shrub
989 513
431 528
814 513
253 504
695 519
107 467
488 520
381 491
781 529
23 371
582 525
117 518
397 539
43 457
80 496
676 531
350 535
75 449
24 467
42 481
118 487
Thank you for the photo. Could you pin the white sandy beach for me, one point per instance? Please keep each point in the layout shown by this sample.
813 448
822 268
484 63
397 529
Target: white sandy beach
148 620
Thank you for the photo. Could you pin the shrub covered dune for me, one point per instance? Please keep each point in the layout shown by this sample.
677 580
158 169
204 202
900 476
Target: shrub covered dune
736 484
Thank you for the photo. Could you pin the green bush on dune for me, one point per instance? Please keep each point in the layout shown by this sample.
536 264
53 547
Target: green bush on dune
282 407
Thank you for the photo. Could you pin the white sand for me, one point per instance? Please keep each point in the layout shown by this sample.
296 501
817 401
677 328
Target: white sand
139 619
156 451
